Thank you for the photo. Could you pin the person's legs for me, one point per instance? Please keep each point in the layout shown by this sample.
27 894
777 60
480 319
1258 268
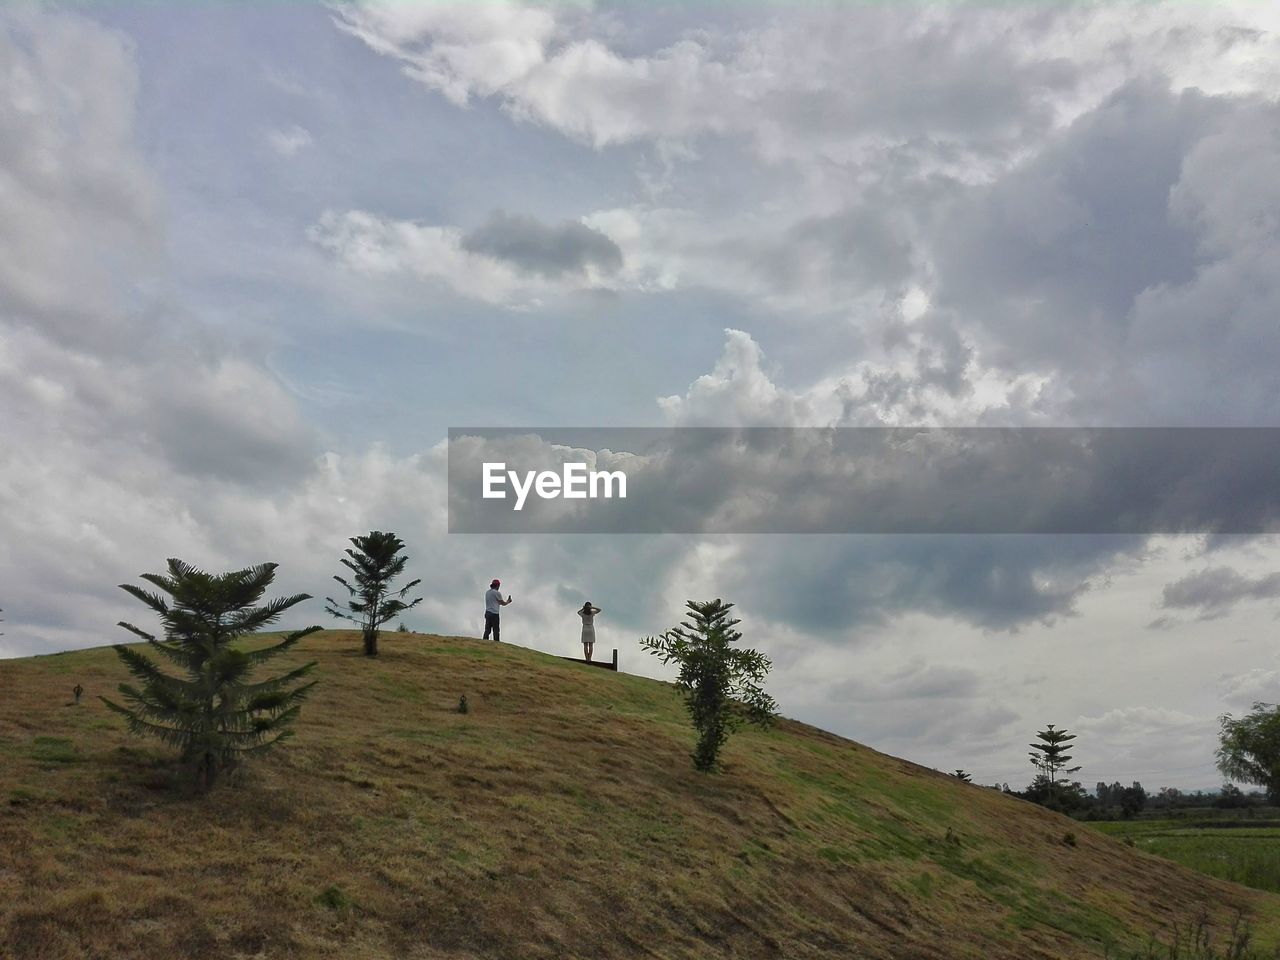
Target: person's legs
490 624
588 647
497 625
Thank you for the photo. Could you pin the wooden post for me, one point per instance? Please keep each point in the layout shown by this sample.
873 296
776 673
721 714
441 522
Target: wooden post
615 659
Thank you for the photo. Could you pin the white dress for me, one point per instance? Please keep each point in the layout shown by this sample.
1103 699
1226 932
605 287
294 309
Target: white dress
588 627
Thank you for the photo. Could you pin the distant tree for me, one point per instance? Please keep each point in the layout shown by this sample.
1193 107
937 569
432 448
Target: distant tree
722 684
1050 755
211 712
1132 801
375 562
1231 797
962 775
1170 794
1249 748
1061 795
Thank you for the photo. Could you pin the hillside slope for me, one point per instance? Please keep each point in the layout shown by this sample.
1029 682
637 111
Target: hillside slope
560 817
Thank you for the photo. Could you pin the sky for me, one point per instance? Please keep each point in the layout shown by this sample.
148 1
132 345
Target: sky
256 259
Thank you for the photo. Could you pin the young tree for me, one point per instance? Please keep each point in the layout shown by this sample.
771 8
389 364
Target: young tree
1249 748
963 775
376 561
1050 754
212 712
722 684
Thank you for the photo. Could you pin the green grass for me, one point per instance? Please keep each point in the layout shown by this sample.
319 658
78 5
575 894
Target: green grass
54 750
1227 848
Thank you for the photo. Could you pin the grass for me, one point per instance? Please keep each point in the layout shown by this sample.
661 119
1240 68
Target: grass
559 818
1230 849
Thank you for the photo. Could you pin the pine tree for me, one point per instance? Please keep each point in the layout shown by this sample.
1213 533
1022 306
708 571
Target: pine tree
212 713
963 775
376 561
1050 754
721 683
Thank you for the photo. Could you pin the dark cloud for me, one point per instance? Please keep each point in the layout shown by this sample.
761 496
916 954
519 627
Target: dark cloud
550 251
1050 258
831 585
881 480
1132 260
1215 591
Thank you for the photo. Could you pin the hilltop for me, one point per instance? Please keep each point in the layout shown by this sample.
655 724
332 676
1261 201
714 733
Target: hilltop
559 817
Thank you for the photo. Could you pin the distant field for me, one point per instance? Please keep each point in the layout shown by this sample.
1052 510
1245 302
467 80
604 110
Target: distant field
1239 849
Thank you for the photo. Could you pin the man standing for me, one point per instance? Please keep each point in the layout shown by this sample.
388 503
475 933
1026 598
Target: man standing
493 603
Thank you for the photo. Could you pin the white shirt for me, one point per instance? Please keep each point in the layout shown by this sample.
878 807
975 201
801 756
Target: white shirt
492 601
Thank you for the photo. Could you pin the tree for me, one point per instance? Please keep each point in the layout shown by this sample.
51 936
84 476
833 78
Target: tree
1132 801
212 713
376 561
962 775
1062 795
722 684
1249 748
1231 797
1050 754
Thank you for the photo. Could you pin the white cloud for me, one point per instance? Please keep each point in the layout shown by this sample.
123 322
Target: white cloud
820 82
119 416
77 200
288 141
923 380
1142 742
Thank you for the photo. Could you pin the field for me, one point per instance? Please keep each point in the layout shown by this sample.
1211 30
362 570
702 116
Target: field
1243 850
559 818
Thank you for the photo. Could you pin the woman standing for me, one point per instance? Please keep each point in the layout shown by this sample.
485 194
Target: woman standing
588 615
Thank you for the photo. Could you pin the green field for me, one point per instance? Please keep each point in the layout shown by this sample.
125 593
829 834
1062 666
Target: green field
1240 849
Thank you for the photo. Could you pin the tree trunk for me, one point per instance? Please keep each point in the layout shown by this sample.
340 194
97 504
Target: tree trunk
371 643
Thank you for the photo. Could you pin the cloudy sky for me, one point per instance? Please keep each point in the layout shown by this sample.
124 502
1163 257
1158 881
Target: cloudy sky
255 260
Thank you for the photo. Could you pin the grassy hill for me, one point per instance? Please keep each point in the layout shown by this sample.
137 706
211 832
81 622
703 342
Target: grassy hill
560 817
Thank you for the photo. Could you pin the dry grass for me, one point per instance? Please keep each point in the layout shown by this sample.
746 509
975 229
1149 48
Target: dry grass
560 817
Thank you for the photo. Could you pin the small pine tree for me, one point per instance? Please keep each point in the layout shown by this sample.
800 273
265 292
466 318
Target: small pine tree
376 561
213 714
722 684
962 775
1050 755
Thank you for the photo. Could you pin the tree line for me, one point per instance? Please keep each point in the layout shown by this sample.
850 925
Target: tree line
1248 752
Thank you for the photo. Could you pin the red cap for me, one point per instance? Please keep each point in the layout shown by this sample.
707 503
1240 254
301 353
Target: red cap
495 584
